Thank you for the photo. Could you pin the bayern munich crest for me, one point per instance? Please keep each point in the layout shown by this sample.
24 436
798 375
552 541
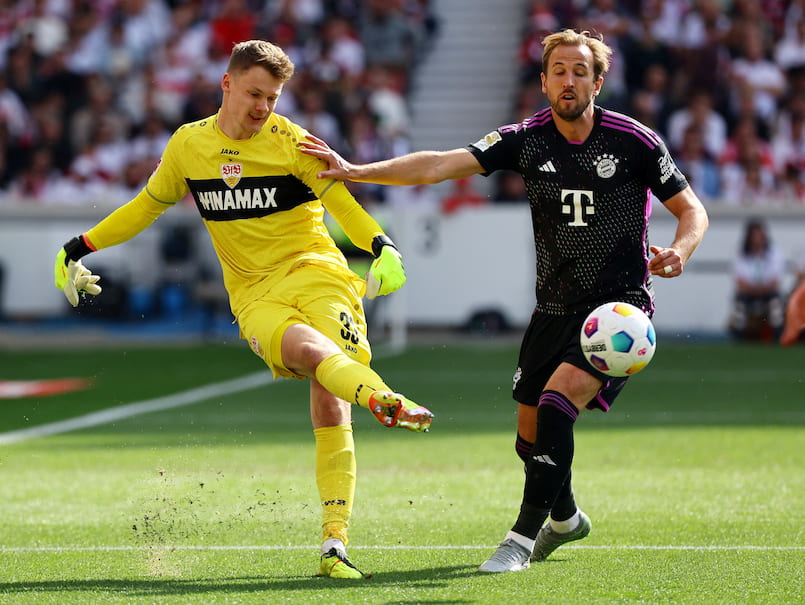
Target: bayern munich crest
606 165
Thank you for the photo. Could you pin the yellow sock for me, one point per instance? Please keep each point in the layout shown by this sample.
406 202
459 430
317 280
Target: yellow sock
335 477
349 380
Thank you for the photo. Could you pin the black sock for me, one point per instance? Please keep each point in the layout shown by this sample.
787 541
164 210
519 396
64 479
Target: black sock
548 468
523 448
565 505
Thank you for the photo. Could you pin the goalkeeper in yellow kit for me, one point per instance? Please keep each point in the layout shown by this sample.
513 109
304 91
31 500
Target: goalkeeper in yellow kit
295 299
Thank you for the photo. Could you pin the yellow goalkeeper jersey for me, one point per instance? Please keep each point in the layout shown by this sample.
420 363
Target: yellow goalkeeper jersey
259 198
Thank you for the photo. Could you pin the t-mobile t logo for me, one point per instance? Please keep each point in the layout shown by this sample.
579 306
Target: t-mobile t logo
578 203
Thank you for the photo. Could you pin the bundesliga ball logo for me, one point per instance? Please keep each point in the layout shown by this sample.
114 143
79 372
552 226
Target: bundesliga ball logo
618 339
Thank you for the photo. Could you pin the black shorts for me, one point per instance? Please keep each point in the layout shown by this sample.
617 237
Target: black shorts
550 340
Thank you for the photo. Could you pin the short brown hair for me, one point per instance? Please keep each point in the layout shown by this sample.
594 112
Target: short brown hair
568 37
271 57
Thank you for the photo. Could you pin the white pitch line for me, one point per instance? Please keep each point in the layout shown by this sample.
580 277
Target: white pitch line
746 547
227 387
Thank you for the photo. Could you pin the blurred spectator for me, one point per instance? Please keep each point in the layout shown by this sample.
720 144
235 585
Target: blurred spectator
387 36
149 140
789 51
106 152
642 49
48 115
343 47
81 185
171 81
233 22
46 26
424 22
135 175
704 59
409 198
747 167
88 43
748 19
698 165
190 32
312 116
748 181
365 144
649 103
462 195
699 112
758 271
528 101
205 98
788 147
542 20
146 25
15 116
5 169
35 181
607 18
118 62
509 188
22 71
100 104
302 15
759 82
8 21
388 104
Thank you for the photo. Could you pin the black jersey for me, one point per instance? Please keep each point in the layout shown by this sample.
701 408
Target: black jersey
590 204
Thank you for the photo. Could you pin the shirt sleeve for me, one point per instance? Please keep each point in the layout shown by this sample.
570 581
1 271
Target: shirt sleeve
164 188
663 176
358 225
498 150
127 221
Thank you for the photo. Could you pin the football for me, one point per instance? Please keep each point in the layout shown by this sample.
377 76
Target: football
618 339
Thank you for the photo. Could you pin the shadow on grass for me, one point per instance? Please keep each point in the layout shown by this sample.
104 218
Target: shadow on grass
420 578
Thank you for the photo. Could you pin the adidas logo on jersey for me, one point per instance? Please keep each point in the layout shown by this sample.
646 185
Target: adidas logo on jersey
547 167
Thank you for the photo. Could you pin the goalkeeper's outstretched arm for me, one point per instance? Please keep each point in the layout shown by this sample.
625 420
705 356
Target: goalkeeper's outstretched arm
71 276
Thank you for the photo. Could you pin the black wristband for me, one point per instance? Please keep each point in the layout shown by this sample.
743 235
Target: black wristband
379 241
76 248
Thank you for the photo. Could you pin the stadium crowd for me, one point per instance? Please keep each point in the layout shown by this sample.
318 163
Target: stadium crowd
723 81
90 90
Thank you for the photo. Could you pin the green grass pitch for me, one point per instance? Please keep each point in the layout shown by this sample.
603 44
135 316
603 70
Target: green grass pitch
694 482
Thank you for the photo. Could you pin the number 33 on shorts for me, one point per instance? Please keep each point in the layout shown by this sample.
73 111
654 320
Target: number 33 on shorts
349 332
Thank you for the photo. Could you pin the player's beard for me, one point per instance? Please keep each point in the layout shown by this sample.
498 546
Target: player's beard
574 112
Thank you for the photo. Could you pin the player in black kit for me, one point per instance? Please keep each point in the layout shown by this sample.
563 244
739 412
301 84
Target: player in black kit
589 174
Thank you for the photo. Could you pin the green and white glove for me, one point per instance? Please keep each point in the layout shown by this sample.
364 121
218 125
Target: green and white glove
70 275
386 274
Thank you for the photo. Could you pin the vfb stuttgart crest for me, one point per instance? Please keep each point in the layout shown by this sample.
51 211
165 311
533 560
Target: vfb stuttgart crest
231 173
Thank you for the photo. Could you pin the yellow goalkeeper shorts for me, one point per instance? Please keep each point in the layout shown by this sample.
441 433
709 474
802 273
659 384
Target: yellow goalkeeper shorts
322 298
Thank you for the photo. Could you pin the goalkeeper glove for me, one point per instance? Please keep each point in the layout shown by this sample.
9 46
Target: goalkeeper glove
386 274
70 275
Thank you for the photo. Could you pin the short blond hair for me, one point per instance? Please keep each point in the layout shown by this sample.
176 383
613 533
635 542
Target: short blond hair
271 57
569 37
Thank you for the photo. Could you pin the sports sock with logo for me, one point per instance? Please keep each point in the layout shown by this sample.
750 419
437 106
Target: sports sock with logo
335 478
348 379
548 468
